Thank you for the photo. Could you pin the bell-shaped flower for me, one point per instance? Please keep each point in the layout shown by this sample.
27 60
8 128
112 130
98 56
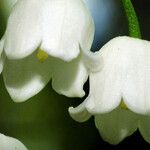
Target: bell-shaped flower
119 96
44 41
9 143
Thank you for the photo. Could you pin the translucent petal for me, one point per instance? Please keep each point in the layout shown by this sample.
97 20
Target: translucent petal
69 77
26 77
79 113
117 125
23 29
9 143
64 24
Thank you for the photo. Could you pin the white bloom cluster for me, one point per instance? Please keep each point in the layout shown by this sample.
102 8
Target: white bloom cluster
51 40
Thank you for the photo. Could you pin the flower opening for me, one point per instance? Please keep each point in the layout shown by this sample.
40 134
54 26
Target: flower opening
41 55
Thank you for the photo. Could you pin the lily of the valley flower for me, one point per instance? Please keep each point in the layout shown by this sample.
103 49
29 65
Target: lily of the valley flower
44 40
9 143
120 89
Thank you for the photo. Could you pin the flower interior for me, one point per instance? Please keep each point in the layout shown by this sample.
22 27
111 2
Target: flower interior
42 55
123 105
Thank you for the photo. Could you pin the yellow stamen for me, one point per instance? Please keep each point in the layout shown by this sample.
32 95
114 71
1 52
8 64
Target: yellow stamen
123 105
41 55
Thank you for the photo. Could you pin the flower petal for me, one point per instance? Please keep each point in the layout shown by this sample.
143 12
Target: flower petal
117 125
136 77
124 74
1 57
144 125
69 77
2 44
79 113
93 60
105 85
64 23
1 63
23 30
26 77
9 143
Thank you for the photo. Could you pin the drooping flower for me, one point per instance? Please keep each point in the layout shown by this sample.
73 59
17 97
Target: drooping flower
119 96
46 40
9 143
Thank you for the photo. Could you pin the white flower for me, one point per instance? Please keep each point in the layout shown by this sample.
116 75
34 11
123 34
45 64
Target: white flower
119 95
44 40
9 143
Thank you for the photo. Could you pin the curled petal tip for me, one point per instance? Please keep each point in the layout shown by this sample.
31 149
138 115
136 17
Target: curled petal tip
79 114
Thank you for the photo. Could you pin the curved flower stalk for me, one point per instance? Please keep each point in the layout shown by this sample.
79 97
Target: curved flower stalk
119 95
45 40
9 143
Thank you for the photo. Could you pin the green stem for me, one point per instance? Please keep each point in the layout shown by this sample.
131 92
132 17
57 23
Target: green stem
133 24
